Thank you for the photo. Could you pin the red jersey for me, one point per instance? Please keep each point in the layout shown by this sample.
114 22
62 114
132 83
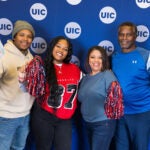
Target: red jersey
63 102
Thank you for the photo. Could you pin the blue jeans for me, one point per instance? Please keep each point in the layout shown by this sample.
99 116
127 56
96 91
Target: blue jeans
133 132
13 133
100 134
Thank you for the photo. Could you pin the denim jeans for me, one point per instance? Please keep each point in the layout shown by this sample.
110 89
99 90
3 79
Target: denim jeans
100 134
133 132
13 133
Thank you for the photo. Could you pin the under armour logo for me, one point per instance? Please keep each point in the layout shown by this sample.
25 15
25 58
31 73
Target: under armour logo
134 61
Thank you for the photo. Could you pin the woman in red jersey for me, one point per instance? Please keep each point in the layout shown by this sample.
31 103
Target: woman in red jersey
54 83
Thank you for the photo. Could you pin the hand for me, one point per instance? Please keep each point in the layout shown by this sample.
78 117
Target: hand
22 73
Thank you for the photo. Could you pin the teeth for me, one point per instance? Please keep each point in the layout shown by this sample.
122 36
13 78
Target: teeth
24 44
124 42
59 54
95 64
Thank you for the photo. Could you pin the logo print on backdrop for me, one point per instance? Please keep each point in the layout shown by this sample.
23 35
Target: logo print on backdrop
108 46
39 45
75 60
72 30
143 3
74 2
6 26
38 11
143 33
107 15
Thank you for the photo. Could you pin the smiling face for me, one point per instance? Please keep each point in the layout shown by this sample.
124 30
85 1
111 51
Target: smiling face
60 51
95 61
126 38
23 39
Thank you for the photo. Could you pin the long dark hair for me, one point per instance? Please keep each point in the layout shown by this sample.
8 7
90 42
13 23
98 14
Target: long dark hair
48 62
105 59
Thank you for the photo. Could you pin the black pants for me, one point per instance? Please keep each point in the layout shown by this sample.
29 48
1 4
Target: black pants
49 130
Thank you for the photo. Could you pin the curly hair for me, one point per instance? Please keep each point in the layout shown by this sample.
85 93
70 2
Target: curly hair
48 61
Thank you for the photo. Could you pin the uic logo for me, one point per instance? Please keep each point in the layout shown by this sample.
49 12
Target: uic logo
108 46
5 26
39 45
143 33
107 15
143 3
73 2
38 11
72 30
